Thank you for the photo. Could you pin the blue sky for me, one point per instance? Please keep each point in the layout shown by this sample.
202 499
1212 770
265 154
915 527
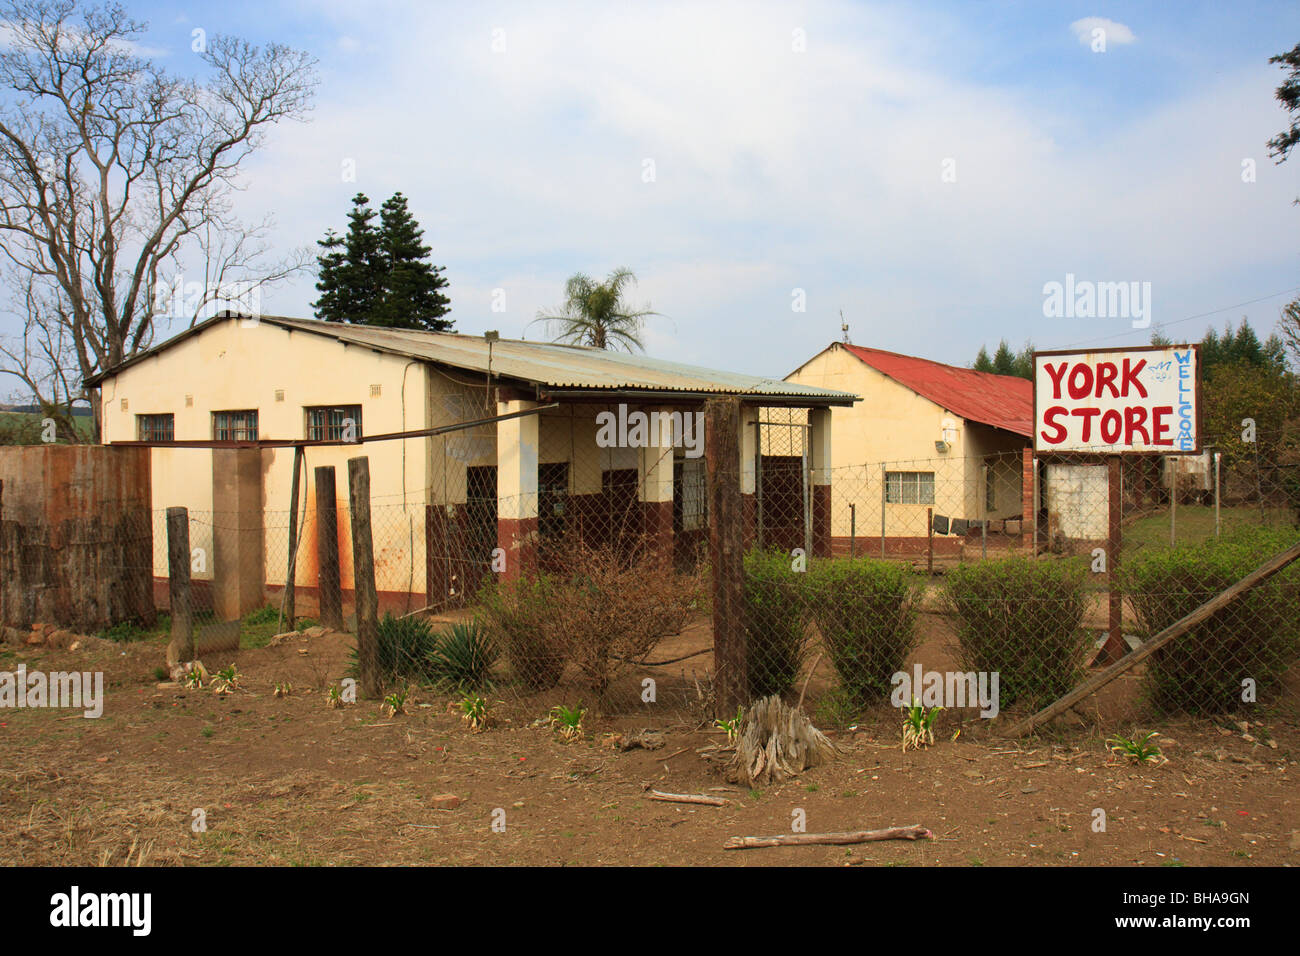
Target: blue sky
778 169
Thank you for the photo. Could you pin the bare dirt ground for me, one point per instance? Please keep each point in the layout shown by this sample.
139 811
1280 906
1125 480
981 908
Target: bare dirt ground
288 781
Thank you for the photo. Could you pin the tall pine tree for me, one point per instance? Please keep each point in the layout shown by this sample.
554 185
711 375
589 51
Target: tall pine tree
411 298
380 275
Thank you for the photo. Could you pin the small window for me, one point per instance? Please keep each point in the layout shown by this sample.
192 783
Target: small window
156 427
334 423
235 426
909 487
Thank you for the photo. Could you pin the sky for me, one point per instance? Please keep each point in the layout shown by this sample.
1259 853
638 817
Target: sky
925 169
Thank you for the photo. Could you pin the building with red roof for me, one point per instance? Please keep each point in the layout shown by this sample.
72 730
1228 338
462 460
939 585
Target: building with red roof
927 439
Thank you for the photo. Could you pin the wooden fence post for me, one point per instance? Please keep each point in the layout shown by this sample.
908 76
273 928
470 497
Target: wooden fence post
181 648
291 573
726 542
1114 648
363 575
327 549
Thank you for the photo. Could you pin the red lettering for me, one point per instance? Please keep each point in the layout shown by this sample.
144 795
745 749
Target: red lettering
1135 417
1159 427
1087 414
1080 391
1049 418
1106 373
1056 375
1130 377
1111 424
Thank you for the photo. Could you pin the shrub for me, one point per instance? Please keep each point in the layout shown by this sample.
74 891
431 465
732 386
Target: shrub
404 648
517 616
1021 618
1256 637
776 625
865 612
610 609
463 656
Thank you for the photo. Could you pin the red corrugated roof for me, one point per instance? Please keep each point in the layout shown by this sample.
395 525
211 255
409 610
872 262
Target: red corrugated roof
1003 401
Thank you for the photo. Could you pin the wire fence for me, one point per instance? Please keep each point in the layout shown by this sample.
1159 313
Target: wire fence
984 585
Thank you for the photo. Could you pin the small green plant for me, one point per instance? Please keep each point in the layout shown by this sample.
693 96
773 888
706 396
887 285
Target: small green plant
1140 749
263 615
160 673
475 712
195 675
334 699
568 721
918 725
283 689
836 708
226 680
395 703
732 726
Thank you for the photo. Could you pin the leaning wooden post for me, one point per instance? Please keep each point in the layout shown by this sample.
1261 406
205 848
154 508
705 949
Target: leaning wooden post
363 575
327 549
292 571
726 541
181 647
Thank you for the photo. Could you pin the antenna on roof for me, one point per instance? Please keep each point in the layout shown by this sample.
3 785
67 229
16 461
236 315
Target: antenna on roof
844 327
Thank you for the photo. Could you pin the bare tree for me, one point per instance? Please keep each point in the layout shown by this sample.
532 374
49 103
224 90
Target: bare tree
112 173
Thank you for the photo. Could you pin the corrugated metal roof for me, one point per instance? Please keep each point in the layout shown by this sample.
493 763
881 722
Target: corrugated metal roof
1003 401
543 364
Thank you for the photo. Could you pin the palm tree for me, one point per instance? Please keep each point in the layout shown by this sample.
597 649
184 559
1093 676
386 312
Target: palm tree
595 314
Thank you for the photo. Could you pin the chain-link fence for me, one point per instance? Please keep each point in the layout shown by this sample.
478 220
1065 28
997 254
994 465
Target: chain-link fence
984 585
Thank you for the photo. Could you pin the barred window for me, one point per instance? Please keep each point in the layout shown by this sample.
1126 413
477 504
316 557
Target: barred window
909 487
156 427
331 423
235 426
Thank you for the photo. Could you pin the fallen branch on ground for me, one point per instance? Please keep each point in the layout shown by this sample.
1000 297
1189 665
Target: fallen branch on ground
914 832
688 798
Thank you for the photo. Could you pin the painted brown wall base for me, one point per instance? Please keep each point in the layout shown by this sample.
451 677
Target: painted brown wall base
821 521
517 537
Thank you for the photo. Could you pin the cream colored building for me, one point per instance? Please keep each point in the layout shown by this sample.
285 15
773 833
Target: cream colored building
926 437
224 405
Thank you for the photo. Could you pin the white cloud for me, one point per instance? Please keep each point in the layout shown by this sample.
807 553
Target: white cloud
1112 31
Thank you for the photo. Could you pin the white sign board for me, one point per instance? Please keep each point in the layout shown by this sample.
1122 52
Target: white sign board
1118 401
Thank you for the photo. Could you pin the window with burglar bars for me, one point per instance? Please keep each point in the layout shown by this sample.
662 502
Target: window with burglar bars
909 487
329 423
235 426
156 427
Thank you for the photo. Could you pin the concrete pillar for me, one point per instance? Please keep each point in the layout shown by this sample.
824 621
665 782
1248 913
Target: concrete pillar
655 484
238 538
819 464
517 451
748 441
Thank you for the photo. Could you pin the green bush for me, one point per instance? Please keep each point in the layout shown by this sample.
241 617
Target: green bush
518 619
463 656
405 646
1022 619
865 612
775 619
1256 637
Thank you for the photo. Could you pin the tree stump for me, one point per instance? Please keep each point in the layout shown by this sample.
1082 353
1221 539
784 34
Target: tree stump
776 742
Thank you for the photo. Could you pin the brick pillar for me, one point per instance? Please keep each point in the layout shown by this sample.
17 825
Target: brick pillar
819 460
238 544
517 445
